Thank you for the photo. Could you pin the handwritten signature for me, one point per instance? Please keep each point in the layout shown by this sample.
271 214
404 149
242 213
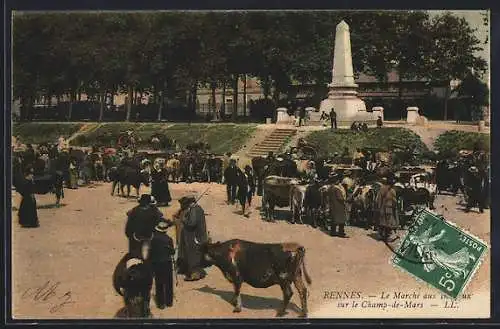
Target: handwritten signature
48 293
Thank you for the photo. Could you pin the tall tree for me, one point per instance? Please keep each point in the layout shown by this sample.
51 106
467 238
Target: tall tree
452 51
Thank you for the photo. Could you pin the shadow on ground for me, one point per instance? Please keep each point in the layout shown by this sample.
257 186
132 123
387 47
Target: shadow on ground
250 302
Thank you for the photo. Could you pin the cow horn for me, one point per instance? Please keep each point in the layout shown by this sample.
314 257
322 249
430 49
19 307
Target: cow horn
135 238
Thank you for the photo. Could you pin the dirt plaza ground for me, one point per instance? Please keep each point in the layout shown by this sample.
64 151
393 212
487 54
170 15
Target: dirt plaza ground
74 251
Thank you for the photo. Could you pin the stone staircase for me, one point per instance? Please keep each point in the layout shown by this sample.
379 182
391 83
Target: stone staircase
272 143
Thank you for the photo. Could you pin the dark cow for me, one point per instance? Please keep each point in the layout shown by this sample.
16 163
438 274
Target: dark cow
109 161
258 165
449 177
198 146
51 182
133 279
261 265
128 176
77 155
213 169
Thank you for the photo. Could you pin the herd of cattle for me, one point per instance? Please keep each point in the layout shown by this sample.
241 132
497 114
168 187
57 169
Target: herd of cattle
282 181
305 186
311 200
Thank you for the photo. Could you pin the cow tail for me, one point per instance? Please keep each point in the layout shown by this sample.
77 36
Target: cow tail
302 255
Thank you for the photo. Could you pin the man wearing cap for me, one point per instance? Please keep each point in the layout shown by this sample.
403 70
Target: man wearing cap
333 119
379 122
246 187
231 179
192 230
162 251
387 206
141 222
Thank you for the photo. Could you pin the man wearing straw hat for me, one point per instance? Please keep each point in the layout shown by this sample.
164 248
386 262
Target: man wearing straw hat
162 251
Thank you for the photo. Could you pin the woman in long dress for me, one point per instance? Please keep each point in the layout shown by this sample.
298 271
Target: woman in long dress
159 186
28 216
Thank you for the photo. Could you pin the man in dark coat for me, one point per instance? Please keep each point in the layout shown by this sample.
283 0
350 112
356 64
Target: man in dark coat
333 119
141 222
302 115
474 189
387 207
379 122
159 186
162 251
246 187
191 230
29 155
231 179
28 216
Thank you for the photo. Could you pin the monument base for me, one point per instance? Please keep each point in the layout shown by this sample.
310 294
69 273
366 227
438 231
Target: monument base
349 109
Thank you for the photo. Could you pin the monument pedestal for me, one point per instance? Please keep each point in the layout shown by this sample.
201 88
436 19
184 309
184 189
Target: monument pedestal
342 95
283 117
412 115
349 110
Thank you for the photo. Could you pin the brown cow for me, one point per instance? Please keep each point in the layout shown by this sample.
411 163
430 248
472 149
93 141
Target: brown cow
261 265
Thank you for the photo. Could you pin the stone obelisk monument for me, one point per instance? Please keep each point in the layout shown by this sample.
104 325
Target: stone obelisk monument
342 90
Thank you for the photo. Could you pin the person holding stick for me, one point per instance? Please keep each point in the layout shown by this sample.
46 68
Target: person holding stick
190 227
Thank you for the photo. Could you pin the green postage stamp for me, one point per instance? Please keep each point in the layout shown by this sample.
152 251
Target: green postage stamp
439 253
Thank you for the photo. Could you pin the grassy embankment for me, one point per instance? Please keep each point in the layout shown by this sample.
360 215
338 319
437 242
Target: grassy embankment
453 141
328 142
221 137
35 132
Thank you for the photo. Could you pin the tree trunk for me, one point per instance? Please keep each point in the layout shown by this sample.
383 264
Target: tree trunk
71 101
26 106
266 87
162 93
213 99
245 95
194 97
29 108
128 105
160 106
101 109
446 97
400 94
235 97
223 104
155 95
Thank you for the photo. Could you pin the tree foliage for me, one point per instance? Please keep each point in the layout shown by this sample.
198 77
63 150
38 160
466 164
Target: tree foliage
171 54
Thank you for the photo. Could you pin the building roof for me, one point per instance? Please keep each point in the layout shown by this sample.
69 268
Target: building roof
392 76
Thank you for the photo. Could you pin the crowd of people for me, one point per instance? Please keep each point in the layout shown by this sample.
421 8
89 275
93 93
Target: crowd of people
147 232
147 228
